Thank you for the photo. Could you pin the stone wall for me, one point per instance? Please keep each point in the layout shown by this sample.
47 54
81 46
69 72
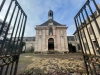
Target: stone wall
59 36
29 46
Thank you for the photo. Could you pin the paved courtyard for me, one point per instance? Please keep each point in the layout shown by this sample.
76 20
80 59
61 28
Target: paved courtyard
51 63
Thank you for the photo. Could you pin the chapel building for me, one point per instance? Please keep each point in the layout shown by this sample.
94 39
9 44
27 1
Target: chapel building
51 36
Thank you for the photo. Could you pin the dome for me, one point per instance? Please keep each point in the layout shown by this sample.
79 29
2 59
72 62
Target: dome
50 14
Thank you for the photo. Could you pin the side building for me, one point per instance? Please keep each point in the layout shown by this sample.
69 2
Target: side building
72 44
30 44
89 34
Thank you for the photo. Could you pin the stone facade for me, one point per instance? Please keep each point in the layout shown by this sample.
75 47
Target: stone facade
30 43
51 36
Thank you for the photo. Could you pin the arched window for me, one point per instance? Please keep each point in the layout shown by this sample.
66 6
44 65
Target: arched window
50 14
50 31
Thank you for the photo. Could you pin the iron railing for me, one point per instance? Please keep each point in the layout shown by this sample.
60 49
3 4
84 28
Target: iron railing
87 22
11 47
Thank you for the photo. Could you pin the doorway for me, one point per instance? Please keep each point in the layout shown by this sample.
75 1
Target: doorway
50 44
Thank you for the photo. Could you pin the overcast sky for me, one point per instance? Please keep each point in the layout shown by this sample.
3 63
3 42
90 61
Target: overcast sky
37 12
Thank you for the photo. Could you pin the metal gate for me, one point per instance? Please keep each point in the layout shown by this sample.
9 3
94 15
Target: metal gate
11 36
87 23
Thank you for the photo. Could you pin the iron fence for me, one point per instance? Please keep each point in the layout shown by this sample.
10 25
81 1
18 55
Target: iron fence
11 47
88 30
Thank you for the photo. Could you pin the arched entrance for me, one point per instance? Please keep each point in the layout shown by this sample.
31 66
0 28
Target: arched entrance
50 44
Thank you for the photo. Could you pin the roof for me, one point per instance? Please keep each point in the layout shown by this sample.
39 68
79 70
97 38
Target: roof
70 38
50 11
50 21
25 38
28 38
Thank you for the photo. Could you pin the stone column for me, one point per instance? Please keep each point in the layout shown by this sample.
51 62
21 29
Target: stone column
59 40
36 41
66 41
46 40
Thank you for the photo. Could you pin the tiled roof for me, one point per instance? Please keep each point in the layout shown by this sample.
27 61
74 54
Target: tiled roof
50 21
70 38
28 38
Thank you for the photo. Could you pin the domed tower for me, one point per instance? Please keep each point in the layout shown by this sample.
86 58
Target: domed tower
50 14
